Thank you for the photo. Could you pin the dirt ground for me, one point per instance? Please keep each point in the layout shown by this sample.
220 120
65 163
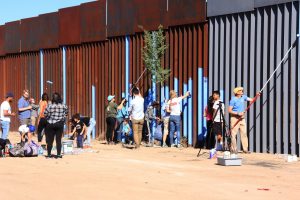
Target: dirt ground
113 172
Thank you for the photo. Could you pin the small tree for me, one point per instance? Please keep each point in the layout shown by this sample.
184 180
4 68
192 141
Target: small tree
152 53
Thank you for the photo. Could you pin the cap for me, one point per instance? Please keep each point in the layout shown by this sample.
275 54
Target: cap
9 94
235 90
31 128
110 97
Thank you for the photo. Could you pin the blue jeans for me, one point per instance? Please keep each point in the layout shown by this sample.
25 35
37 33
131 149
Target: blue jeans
175 126
5 129
90 129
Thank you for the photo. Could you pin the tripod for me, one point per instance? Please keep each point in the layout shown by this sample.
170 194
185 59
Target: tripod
224 128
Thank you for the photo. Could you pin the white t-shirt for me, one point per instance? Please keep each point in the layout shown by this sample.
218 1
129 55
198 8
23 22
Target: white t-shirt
137 108
174 106
5 106
218 114
23 129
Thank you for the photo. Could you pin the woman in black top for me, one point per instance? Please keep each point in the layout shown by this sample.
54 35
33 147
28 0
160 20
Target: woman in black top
55 114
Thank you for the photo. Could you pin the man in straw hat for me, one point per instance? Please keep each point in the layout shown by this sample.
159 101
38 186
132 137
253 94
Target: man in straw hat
236 110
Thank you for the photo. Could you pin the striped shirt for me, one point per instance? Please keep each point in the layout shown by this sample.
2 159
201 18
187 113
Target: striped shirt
56 113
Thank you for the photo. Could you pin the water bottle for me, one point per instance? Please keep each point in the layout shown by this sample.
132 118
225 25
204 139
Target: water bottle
212 153
41 150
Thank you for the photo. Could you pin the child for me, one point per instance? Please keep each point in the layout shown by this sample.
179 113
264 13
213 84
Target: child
34 112
125 131
79 130
26 132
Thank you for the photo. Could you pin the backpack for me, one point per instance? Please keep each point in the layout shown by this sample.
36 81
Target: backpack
3 143
31 149
17 151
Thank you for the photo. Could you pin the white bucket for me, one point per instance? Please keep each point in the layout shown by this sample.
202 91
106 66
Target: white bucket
67 146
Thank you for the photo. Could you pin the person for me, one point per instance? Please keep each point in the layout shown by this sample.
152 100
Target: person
166 120
217 126
55 115
78 130
236 110
208 114
111 113
6 114
150 117
175 119
136 110
90 124
126 131
26 132
121 115
34 112
24 108
42 122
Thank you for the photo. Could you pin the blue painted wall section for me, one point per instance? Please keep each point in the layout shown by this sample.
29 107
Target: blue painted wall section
185 112
201 131
190 113
94 109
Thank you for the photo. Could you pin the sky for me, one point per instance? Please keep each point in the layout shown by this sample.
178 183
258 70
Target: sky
12 10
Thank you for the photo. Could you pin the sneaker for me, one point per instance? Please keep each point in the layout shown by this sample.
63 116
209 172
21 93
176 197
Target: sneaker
165 145
246 152
179 146
58 156
173 145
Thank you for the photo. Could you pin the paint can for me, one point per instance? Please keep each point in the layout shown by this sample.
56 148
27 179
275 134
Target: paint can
67 146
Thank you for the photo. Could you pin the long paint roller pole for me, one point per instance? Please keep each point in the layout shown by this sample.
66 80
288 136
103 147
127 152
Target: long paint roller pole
259 93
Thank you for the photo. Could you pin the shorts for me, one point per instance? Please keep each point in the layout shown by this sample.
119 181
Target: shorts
217 128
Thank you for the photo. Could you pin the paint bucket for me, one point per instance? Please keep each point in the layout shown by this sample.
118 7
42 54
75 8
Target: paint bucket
67 146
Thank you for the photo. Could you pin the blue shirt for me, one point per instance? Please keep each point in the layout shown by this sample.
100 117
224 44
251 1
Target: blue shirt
126 128
122 113
23 103
238 104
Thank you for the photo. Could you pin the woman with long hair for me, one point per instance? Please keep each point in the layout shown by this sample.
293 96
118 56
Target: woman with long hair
175 119
56 114
42 122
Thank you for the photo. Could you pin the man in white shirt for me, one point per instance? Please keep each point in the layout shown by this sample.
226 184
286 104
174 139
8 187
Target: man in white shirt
217 126
5 114
136 109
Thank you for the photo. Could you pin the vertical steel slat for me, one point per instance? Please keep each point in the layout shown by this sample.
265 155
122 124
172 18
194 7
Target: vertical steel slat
286 66
211 54
190 86
217 75
278 81
272 91
195 86
175 74
298 78
258 78
239 67
228 47
265 67
171 58
221 85
292 82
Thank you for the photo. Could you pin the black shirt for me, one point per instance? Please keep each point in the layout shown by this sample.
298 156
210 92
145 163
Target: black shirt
85 120
79 127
